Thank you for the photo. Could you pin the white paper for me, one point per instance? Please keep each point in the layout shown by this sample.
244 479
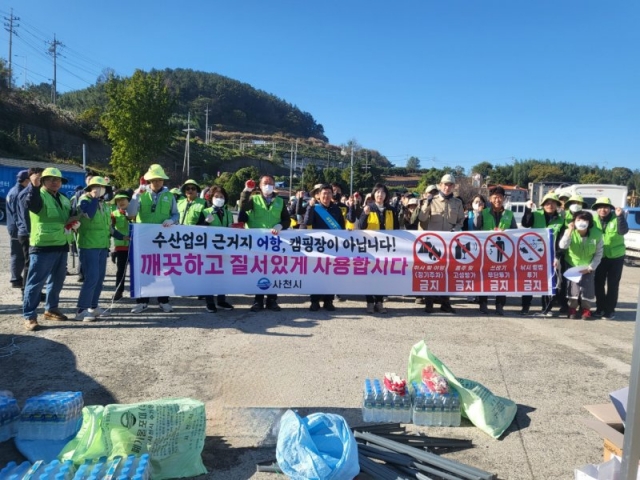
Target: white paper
574 274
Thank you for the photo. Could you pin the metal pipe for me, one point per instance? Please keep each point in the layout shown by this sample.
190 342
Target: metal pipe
465 471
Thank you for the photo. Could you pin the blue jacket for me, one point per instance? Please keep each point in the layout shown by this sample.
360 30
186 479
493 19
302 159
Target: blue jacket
23 221
12 210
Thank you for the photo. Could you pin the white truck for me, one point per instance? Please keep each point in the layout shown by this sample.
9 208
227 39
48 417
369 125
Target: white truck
590 192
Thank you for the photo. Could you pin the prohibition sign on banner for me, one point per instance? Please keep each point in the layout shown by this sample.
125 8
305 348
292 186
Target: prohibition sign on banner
465 264
531 248
429 264
534 274
499 268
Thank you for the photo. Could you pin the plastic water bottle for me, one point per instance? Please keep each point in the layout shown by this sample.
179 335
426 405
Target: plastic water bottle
368 401
455 410
406 407
9 416
418 407
429 408
378 413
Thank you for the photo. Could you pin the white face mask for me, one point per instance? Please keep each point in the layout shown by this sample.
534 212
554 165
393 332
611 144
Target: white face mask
582 225
101 191
218 202
575 208
267 189
476 206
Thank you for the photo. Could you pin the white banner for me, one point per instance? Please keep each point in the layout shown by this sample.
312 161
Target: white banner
193 260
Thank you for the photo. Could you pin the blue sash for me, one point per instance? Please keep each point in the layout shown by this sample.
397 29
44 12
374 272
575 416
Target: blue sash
326 217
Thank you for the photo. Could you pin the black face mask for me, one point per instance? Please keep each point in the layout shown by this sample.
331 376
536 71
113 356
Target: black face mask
337 197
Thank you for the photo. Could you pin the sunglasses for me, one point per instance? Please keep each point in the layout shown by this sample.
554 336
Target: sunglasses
186 189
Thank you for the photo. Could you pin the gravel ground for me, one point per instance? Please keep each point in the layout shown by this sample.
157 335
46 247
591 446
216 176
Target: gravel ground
249 368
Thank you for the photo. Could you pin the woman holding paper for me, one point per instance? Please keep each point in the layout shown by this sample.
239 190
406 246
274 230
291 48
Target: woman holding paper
583 246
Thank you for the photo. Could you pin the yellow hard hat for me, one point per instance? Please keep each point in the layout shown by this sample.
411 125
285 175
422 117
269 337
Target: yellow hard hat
155 172
53 172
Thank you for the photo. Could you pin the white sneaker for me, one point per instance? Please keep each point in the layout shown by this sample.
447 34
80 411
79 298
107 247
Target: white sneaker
100 312
85 316
165 307
139 308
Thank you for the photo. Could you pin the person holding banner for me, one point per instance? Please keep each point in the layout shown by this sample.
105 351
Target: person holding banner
613 225
324 215
378 215
549 217
495 218
264 210
154 204
441 213
218 215
190 205
583 247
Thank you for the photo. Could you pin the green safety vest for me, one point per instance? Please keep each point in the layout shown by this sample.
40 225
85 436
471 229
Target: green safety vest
47 226
94 232
581 252
613 241
122 226
374 224
190 211
555 225
227 218
261 216
162 212
488 222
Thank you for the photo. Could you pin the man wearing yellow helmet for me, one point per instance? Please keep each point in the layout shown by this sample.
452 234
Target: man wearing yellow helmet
153 203
50 213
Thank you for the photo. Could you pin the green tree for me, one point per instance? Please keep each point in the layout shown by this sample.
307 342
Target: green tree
310 177
4 75
483 168
413 164
137 123
590 178
543 172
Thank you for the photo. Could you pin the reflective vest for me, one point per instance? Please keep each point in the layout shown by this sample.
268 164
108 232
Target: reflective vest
613 242
582 249
489 223
347 224
94 232
122 226
262 216
227 217
47 226
190 211
374 224
539 221
162 211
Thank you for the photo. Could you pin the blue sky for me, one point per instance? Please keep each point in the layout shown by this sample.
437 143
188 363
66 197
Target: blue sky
451 82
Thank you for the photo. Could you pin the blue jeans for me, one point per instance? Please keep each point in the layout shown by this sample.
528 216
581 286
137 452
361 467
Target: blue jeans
50 267
17 261
94 270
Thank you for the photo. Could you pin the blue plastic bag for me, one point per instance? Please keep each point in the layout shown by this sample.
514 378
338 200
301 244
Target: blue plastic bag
318 447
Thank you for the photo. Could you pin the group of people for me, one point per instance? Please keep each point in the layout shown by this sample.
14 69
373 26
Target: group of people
42 222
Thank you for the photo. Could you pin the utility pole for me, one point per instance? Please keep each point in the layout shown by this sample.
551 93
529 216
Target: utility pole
295 157
53 51
351 182
291 170
9 26
186 167
206 128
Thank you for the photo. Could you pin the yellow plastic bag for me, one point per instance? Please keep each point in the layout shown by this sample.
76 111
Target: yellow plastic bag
488 412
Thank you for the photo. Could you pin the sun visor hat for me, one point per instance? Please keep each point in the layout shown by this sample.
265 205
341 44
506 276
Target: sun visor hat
53 172
155 172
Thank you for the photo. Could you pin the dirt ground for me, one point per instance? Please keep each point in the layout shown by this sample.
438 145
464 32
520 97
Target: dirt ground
249 368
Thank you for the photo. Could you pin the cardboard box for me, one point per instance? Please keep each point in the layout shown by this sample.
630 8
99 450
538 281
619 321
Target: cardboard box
608 424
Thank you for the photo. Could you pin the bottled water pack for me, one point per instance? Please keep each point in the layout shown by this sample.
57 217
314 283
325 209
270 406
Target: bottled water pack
9 413
435 409
382 405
